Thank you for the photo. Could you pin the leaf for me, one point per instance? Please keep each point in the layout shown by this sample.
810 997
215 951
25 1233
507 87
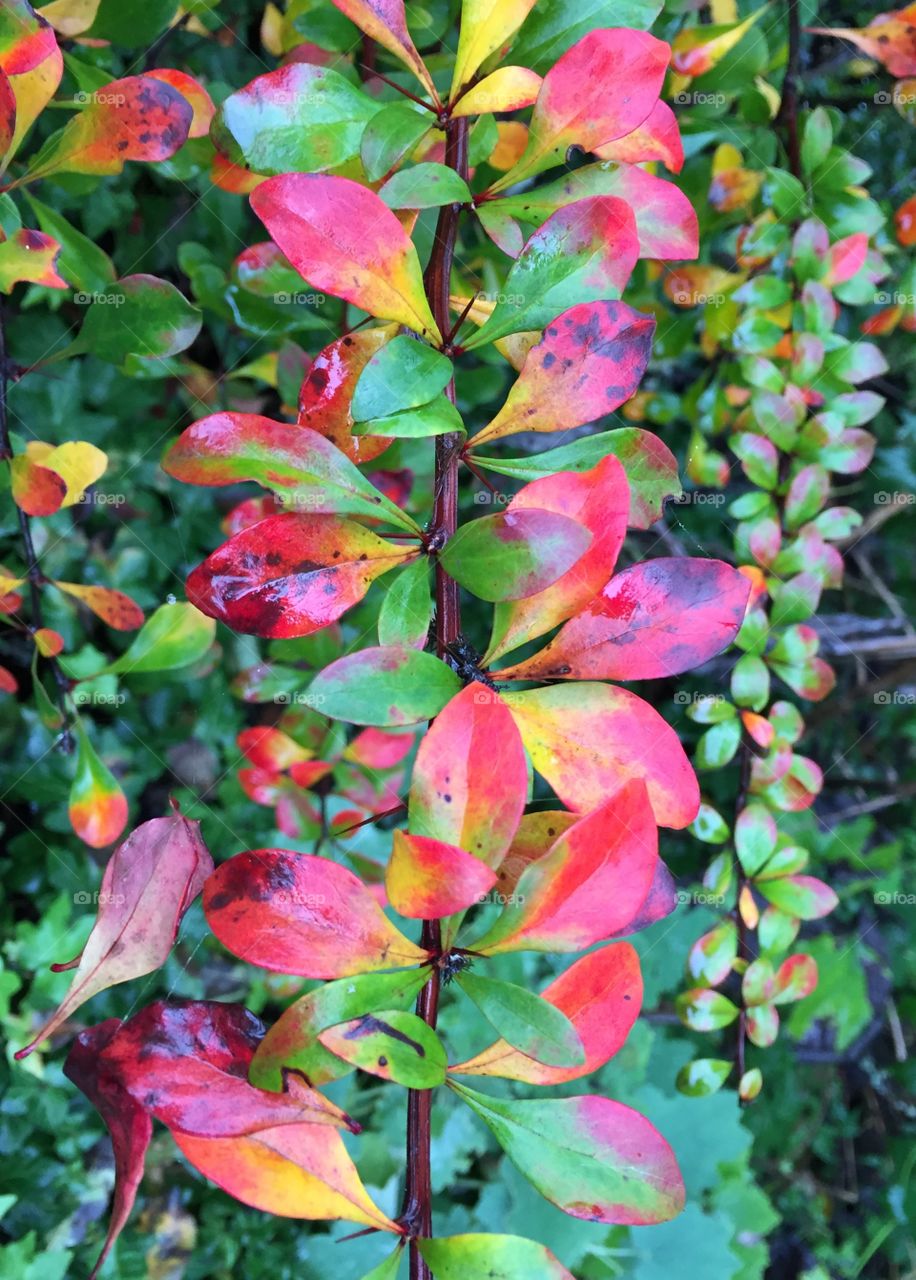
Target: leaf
36 490
554 26
599 501
192 90
426 879
137 118
300 118
703 1076
129 1126
290 574
186 1062
297 463
583 102
589 361
78 463
587 739
505 89
801 896
327 391
139 316
292 1042
533 1026
795 978
485 27
392 1044
391 136
296 913
888 38
149 883
657 138
344 240
698 49
173 636
438 417
593 1158
30 257
113 607
97 806
650 466
755 837
406 610
584 252
704 1010
656 619
711 957
600 994
387 1269
386 22
31 59
291 1171
666 223
470 778
589 885
387 686
425 186
515 553
403 374
491 1257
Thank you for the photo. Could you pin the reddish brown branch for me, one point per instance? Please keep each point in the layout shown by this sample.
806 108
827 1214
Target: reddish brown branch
787 116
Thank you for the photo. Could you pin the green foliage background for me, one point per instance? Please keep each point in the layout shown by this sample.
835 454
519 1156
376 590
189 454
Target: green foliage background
816 1179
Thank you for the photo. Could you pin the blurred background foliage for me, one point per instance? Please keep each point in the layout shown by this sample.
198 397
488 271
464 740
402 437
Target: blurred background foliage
814 1180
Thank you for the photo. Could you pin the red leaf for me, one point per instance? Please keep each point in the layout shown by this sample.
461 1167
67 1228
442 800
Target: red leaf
598 499
426 879
149 883
327 391
601 994
269 748
586 739
37 490
344 240
376 749
589 361
128 1124
656 619
291 574
470 780
589 885
295 913
657 138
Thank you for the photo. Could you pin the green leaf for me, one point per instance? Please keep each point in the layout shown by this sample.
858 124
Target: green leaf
650 466
81 262
438 417
292 1040
403 374
703 1076
718 745
407 608
425 186
750 682
786 194
388 1268
132 24
531 1025
138 316
704 1010
593 1158
514 554
554 25
817 139
387 687
393 1044
391 135
491 1257
174 636
298 119
755 837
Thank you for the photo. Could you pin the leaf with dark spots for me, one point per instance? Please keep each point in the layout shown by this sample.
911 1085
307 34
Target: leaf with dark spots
137 118
187 1063
327 392
290 575
149 883
589 361
514 553
30 257
656 619
129 1126
591 1157
391 1043
295 913
294 461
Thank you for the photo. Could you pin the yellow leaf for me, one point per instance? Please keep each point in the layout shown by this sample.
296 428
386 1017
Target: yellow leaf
513 140
513 348
485 27
699 49
78 463
272 31
70 17
507 89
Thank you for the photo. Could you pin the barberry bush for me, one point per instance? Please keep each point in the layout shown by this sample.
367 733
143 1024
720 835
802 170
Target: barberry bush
409 636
